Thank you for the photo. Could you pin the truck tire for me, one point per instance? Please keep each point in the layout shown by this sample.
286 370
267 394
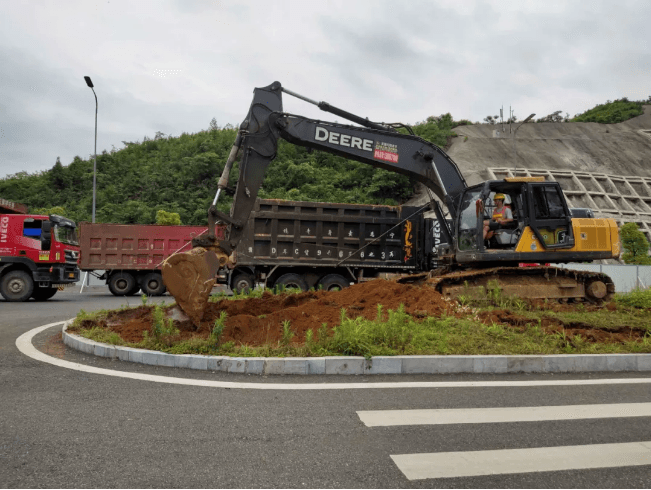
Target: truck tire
242 283
333 282
152 284
122 284
294 281
43 294
16 286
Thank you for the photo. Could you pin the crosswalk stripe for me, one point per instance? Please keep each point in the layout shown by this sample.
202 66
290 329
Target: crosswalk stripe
384 418
506 461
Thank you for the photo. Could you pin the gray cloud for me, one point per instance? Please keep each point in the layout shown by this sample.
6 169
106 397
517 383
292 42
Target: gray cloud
172 66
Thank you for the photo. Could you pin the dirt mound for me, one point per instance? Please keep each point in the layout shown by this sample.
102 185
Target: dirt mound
257 321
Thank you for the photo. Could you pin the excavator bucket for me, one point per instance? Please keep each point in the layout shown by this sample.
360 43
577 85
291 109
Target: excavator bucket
189 277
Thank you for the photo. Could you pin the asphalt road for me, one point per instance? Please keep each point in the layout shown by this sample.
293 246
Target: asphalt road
65 428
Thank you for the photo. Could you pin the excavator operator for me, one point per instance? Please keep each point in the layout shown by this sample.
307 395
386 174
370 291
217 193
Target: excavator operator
501 216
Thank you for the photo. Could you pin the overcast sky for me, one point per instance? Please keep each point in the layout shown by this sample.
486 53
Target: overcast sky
172 66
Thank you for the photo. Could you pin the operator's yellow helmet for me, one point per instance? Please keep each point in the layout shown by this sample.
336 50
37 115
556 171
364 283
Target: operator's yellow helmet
499 196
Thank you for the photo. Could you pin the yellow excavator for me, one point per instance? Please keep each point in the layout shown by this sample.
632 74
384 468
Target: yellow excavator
474 249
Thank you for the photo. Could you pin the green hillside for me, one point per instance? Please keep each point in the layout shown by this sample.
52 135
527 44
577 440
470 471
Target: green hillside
180 174
612 112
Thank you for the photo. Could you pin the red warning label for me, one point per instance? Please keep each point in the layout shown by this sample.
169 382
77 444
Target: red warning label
386 151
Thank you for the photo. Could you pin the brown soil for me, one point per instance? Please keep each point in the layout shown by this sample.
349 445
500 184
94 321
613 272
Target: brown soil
258 321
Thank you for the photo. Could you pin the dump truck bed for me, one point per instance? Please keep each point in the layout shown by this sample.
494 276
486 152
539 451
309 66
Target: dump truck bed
320 234
132 247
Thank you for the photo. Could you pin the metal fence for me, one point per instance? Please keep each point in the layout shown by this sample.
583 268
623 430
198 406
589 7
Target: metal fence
625 277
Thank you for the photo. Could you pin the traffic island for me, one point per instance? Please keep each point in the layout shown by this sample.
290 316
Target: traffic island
357 365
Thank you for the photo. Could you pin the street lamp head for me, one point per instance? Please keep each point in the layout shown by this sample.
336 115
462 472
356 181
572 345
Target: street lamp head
89 82
530 116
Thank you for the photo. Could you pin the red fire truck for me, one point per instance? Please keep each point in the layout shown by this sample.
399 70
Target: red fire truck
38 253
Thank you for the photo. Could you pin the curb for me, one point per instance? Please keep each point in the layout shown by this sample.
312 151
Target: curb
560 363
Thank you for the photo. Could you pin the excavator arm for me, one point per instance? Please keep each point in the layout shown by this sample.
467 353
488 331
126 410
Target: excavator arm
188 276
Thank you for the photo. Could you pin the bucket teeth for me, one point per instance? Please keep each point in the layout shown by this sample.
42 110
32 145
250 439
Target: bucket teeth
190 277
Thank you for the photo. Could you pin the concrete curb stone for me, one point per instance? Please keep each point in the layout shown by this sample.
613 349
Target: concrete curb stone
344 365
316 365
353 365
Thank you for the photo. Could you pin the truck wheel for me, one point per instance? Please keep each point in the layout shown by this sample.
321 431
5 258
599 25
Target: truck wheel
16 286
243 283
333 282
152 284
291 281
43 294
122 284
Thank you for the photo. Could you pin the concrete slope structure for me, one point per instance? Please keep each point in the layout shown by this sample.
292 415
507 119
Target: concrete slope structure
605 167
612 149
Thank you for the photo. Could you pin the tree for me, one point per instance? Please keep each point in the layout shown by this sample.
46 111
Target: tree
58 210
491 119
635 244
57 175
165 218
554 117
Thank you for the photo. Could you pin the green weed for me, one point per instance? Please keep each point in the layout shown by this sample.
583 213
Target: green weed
218 329
288 335
323 336
638 298
162 327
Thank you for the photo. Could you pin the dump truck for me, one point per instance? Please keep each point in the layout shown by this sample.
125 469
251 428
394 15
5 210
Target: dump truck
328 246
129 256
38 253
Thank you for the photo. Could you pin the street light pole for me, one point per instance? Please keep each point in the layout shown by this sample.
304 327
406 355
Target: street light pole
515 155
90 84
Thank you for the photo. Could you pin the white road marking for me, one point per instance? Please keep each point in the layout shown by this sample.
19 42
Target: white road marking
24 344
505 461
386 418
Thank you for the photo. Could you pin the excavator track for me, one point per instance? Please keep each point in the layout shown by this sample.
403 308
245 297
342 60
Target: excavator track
551 283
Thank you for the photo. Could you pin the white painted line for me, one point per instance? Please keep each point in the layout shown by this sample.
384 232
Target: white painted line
24 344
386 418
505 461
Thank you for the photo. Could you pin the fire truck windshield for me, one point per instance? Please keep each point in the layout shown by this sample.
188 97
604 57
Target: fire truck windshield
65 234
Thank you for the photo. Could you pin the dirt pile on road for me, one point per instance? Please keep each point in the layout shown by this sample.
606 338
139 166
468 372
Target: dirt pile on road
256 321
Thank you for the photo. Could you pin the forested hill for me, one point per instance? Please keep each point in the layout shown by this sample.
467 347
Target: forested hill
180 174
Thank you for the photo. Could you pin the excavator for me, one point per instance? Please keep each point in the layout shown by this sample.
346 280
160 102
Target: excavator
542 228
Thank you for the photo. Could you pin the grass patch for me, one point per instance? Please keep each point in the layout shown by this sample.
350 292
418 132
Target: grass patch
637 298
395 332
99 334
254 293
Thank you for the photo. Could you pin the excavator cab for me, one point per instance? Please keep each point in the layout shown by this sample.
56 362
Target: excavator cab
538 213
